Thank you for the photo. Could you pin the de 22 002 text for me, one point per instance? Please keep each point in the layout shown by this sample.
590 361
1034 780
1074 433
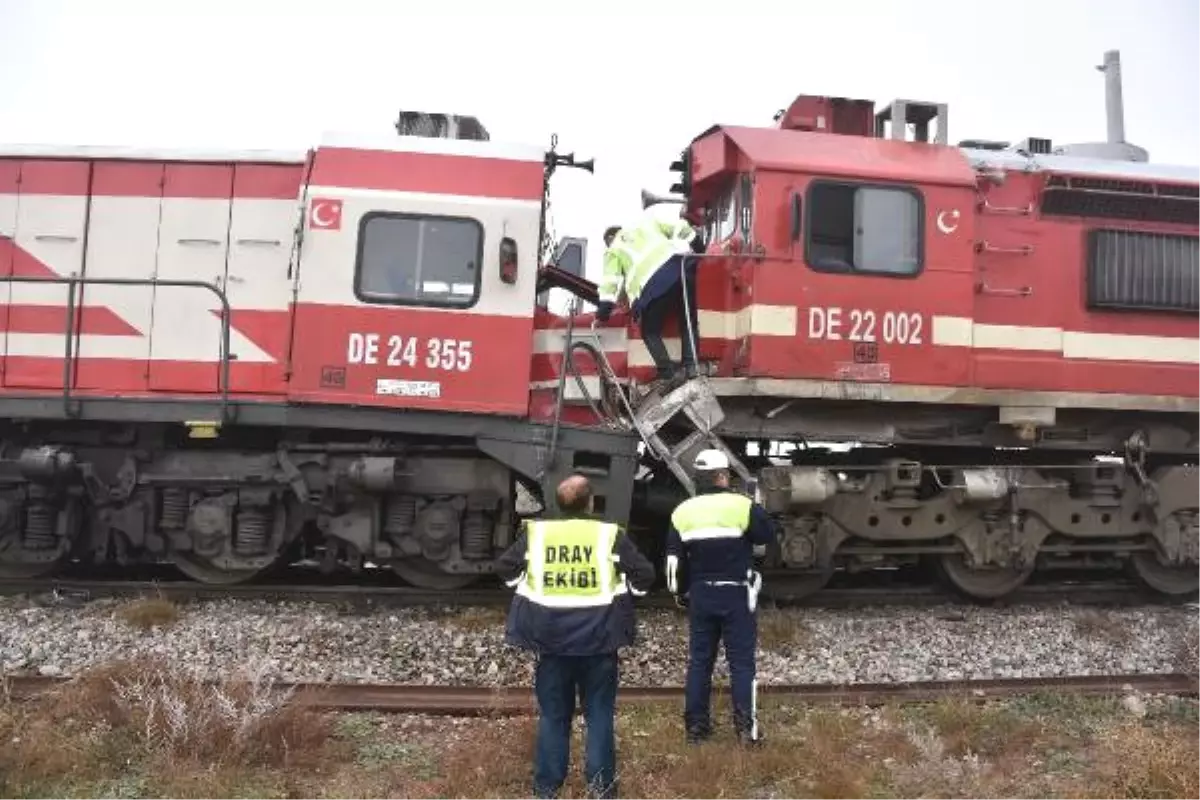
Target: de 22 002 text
407 351
864 325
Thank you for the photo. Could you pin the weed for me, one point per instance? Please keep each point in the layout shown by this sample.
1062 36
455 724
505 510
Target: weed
780 630
145 729
148 612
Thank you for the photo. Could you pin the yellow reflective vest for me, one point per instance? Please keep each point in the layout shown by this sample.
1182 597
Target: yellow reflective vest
570 563
637 252
720 515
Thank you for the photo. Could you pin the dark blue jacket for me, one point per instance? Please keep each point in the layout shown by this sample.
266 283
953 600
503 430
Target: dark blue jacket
720 559
575 631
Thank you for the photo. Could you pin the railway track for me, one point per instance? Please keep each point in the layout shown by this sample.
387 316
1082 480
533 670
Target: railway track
1098 593
508 701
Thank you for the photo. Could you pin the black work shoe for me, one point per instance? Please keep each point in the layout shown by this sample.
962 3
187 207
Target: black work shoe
698 736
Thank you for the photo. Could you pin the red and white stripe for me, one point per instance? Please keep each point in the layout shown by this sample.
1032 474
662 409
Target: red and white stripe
755 322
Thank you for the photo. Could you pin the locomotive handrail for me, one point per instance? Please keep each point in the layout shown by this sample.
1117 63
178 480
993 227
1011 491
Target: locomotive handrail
604 367
71 356
573 309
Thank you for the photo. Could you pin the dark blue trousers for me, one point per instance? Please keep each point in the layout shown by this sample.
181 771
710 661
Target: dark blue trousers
661 295
555 683
716 614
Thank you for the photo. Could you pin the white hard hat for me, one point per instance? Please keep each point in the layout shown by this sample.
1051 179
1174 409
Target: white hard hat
711 460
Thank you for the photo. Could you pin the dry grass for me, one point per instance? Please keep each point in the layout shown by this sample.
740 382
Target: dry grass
144 729
780 630
154 725
148 612
1144 760
476 619
1096 625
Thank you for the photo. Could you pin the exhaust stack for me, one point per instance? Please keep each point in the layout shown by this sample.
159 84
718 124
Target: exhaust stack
1114 105
1115 148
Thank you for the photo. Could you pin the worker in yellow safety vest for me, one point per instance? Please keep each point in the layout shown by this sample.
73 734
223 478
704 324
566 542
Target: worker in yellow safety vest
714 543
646 260
573 608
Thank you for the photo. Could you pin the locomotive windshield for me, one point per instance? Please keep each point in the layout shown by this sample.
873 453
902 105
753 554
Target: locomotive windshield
419 260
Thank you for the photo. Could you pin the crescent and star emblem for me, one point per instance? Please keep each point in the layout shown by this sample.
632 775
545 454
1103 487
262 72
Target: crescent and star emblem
947 221
325 214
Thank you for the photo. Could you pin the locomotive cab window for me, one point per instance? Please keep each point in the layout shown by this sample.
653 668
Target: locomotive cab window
409 259
872 230
725 221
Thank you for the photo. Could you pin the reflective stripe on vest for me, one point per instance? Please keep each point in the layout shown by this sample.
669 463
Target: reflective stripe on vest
570 564
636 253
722 515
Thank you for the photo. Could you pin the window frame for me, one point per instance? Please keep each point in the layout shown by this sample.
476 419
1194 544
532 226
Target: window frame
732 193
912 191
360 246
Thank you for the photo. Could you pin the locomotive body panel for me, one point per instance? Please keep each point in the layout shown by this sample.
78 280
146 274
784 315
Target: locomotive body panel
318 258
1032 325
453 334
813 288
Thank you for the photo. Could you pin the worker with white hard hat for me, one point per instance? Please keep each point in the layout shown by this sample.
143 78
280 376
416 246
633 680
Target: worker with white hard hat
712 546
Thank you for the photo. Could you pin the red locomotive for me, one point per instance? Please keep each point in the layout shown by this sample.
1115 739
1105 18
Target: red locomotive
228 361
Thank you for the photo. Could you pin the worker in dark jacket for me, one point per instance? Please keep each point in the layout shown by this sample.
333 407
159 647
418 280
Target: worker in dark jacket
712 544
573 608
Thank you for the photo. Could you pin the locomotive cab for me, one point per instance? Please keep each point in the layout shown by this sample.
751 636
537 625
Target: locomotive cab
433 243
836 256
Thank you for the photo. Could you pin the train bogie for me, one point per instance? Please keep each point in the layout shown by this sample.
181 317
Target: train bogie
987 526
228 507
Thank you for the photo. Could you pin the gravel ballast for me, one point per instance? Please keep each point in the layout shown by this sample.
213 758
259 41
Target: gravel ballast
315 642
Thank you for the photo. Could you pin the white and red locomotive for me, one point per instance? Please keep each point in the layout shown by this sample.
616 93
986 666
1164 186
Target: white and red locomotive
227 361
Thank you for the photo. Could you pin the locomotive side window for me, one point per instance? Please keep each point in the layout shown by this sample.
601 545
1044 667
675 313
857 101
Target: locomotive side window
871 230
411 259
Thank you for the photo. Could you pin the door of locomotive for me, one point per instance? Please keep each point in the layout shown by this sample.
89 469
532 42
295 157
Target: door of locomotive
419 299
887 286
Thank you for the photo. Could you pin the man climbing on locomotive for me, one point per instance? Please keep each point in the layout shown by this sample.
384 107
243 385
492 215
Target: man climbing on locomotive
646 260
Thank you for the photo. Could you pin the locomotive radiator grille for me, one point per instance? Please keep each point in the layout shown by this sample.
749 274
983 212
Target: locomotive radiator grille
1147 271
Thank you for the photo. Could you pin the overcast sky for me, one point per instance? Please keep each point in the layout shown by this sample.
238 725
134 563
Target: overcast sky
622 86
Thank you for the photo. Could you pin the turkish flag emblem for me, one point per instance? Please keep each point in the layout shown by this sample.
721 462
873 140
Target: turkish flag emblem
325 214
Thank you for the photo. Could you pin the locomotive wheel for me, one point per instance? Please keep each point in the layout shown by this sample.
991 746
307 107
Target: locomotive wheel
425 574
202 571
986 583
1174 581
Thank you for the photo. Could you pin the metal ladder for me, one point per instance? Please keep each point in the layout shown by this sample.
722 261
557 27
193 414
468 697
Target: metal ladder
694 398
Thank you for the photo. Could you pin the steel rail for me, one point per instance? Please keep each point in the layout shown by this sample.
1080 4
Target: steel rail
519 700
1091 593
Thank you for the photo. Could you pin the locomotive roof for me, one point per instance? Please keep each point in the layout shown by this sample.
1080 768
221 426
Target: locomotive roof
850 156
385 142
1076 165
